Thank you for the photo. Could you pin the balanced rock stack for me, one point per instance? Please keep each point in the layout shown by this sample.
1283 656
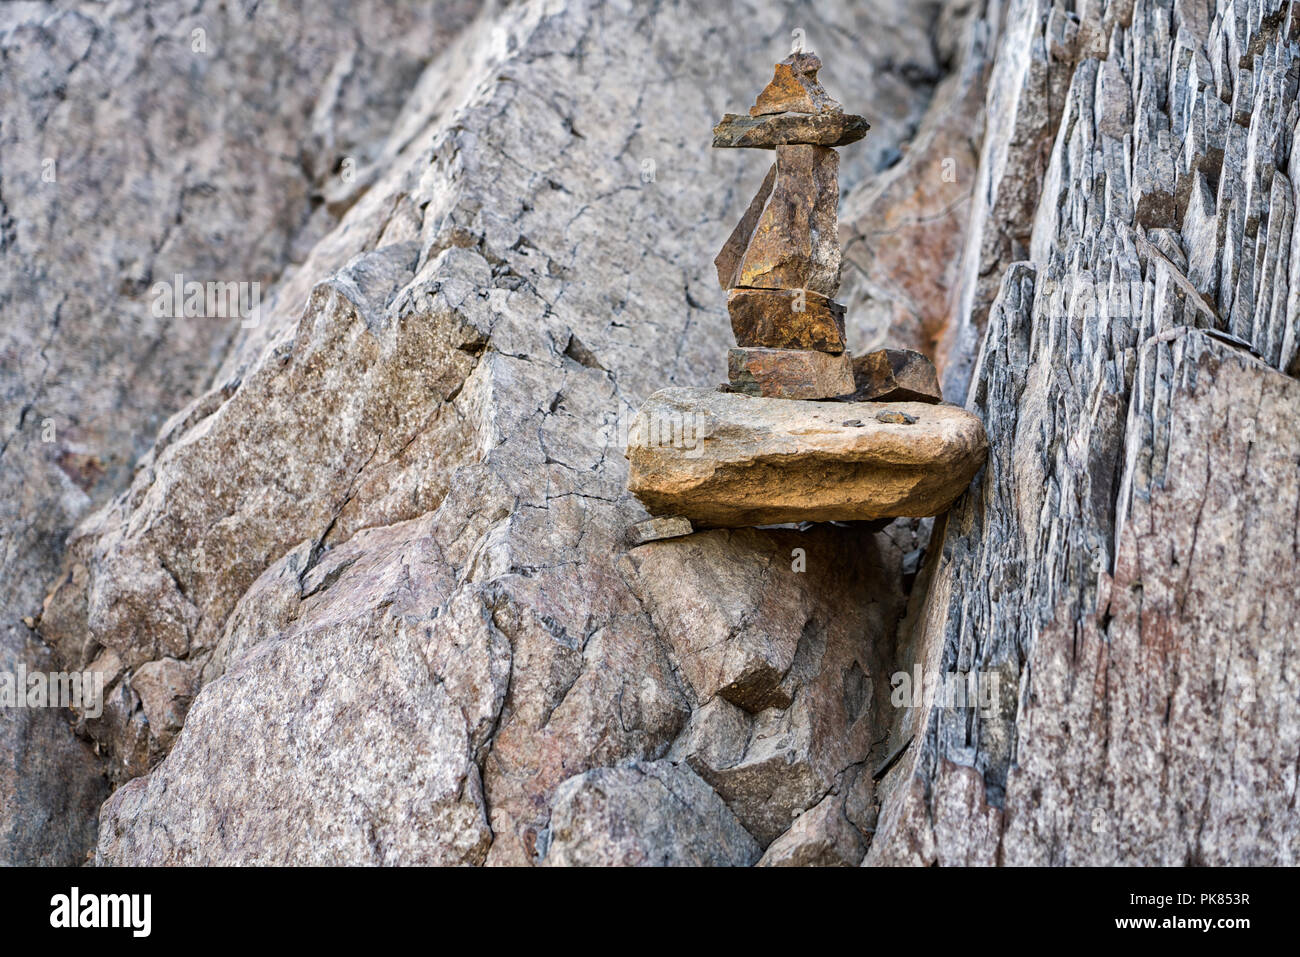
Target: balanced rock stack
781 264
802 431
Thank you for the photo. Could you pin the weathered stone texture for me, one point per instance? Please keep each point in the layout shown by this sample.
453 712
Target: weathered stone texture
786 319
783 129
139 141
895 375
1125 564
789 373
649 815
370 574
733 460
368 596
795 241
795 89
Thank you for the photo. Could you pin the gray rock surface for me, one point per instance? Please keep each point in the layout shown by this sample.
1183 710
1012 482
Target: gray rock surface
655 814
424 420
138 141
1126 562
358 575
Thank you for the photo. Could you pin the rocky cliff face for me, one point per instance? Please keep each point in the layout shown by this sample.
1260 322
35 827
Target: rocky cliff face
367 595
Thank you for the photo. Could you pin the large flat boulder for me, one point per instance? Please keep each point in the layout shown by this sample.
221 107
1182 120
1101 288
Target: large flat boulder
726 459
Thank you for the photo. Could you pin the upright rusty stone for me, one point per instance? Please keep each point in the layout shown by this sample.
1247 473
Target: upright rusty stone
795 243
733 250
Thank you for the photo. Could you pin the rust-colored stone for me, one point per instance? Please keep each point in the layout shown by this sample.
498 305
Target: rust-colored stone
733 250
789 129
795 243
786 319
895 375
758 462
789 373
795 89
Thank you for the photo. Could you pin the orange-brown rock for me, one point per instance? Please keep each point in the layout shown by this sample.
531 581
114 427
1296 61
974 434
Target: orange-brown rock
895 375
786 319
795 89
789 373
793 242
757 462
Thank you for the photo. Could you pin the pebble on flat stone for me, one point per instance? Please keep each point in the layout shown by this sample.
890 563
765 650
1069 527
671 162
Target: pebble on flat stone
654 529
789 373
795 89
788 129
895 375
786 319
765 462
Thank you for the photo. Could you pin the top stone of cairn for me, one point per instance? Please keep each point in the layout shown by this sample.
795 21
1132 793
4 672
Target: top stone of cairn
795 89
791 110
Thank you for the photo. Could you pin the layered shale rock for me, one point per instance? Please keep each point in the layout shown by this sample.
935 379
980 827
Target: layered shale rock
1124 568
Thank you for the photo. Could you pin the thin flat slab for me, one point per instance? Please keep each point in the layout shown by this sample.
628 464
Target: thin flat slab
722 459
658 528
737 131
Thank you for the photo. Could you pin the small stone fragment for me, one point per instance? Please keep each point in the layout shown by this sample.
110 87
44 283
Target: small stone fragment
786 319
790 373
733 250
795 89
894 417
895 375
794 243
788 129
654 529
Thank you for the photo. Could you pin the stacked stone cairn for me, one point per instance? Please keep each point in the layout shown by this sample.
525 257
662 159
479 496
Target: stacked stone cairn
799 432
